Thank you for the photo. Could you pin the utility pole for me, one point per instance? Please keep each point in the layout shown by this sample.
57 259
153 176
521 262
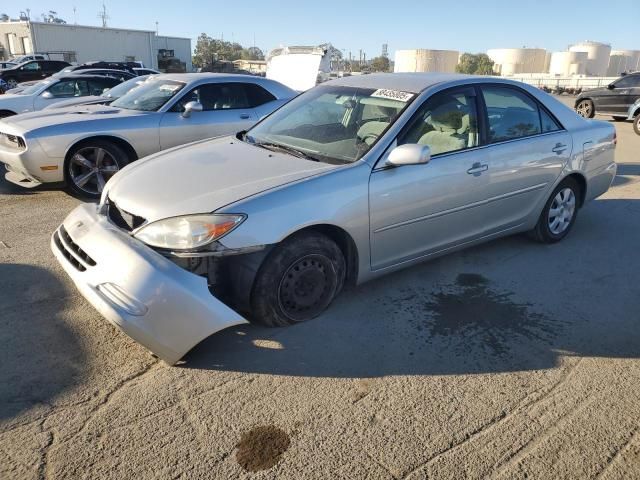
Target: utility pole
103 15
75 16
157 31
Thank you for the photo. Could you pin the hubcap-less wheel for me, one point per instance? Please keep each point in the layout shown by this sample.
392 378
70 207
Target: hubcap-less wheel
307 287
585 109
561 211
12 83
90 168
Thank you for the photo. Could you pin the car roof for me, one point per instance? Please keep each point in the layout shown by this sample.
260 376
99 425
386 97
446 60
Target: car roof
407 82
77 76
190 77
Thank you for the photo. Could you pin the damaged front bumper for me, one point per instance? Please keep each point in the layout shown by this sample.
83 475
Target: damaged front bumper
160 305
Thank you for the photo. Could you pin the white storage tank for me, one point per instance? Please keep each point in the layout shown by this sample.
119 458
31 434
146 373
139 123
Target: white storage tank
566 64
623 61
598 57
425 60
510 61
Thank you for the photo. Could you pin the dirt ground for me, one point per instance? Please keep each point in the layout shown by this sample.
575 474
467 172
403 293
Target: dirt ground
508 360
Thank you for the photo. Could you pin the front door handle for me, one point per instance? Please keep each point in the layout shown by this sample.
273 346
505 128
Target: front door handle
478 168
559 148
245 116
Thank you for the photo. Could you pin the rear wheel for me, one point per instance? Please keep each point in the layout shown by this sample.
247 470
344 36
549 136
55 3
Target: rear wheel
636 124
90 165
559 213
298 280
585 108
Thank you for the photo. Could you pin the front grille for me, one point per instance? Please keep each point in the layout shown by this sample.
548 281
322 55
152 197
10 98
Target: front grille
125 220
71 251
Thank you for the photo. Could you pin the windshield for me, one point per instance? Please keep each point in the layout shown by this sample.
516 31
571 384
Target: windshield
35 88
150 97
120 90
333 124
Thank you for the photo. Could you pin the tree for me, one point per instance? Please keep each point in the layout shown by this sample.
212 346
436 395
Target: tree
380 64
209 50
252 53
52 17
478 64
4 17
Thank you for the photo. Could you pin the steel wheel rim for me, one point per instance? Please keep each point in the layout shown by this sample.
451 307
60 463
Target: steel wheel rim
90 168
584 109
307 287
561 211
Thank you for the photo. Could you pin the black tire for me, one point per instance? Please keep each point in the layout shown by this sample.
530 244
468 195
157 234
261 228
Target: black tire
6 113
298 280
617 118
543 232
114 158
585 108
636 124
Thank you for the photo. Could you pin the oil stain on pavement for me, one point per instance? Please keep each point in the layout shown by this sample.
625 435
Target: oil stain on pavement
478 315
261 448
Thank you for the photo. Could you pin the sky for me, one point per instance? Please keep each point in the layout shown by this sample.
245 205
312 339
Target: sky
464 25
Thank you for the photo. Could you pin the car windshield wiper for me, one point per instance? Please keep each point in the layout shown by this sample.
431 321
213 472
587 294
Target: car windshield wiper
285 148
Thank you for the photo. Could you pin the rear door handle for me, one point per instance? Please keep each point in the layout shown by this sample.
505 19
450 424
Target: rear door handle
478 168
559 148
245 116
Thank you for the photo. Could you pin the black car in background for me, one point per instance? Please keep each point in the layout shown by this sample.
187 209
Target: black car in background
614 99
32 70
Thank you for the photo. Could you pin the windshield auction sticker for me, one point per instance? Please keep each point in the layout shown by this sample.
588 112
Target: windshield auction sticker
392 94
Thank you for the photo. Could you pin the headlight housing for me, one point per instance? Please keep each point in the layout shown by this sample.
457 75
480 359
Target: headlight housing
188 232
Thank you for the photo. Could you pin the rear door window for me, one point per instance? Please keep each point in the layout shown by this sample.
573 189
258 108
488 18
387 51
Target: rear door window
511 114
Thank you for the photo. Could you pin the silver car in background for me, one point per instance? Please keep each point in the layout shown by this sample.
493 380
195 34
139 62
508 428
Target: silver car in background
84 146
104 98
353 179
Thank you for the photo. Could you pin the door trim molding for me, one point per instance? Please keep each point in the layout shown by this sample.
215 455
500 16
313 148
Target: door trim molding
533 188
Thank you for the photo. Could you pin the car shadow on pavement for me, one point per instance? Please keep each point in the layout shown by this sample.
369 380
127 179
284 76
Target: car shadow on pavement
40 356
509 305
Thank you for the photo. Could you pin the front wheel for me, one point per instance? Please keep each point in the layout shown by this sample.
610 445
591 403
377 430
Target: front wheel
636 124
298 280
12 83
585 108
559 213
90 165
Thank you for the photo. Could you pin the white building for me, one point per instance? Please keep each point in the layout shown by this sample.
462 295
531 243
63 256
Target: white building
510 61
597 57
83 43
424 60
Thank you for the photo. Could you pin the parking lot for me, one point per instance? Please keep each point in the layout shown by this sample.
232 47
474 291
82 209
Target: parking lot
508 360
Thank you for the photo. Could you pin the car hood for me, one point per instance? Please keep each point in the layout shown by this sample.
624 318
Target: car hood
58 116
203 177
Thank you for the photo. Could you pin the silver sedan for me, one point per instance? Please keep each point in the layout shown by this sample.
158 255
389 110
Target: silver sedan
84 146
353 179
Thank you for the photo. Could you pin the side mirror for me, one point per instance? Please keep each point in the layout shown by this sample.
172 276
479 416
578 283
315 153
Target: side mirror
611 86
48 95
191 107
409 154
